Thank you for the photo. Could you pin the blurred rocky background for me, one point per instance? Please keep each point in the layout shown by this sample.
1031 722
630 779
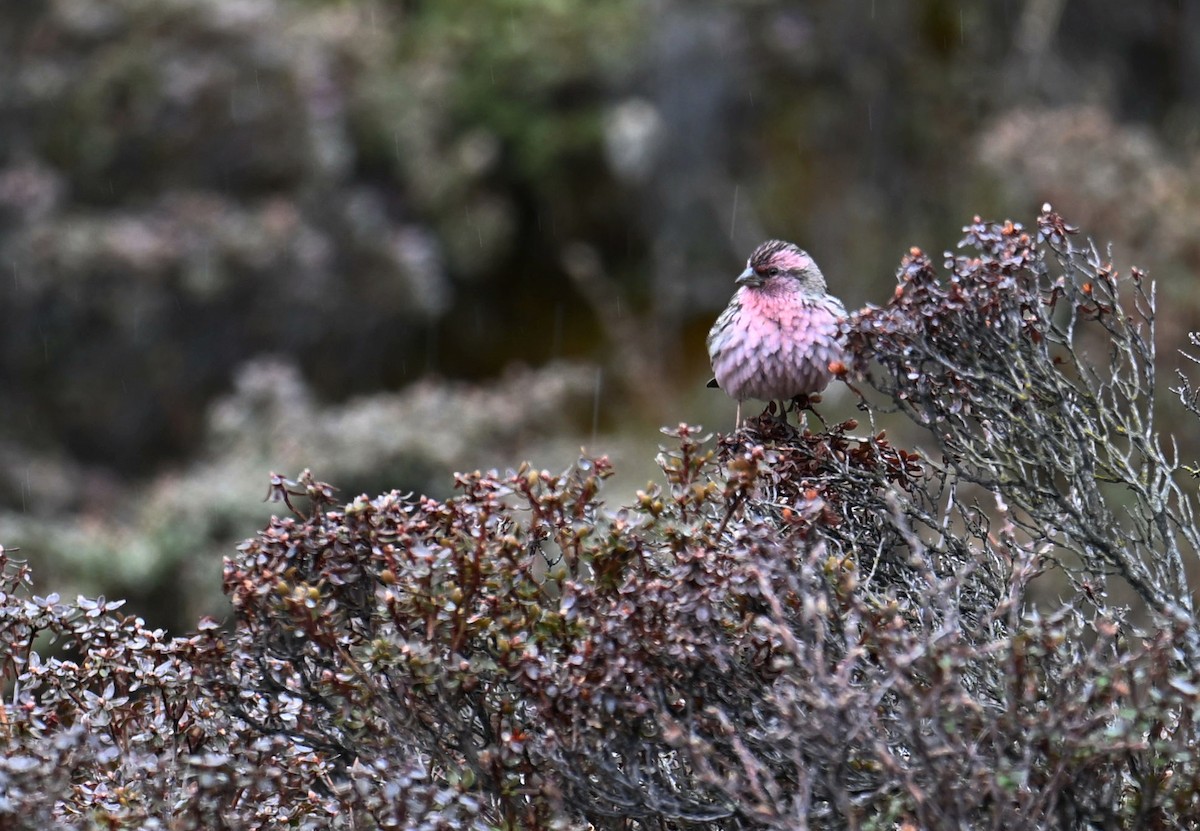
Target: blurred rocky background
388 239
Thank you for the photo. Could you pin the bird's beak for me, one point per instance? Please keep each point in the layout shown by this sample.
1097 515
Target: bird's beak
749 277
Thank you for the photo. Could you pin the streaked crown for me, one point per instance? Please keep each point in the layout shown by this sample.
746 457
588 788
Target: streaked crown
777 257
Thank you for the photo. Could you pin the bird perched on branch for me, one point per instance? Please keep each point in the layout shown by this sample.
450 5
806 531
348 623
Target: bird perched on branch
779 335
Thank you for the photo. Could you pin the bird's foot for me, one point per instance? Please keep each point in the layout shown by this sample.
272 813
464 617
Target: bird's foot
803 404
776 411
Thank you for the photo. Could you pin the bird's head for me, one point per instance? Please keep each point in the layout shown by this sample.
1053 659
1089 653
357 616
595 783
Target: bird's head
779 265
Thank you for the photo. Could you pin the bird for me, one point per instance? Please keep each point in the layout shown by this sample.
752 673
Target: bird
779 335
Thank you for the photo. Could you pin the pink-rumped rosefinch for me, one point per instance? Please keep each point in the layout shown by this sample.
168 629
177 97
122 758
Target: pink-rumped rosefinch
779 334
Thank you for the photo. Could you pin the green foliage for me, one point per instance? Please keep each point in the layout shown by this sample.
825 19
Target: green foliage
532 71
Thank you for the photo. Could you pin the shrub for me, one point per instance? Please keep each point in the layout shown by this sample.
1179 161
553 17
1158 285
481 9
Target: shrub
794 629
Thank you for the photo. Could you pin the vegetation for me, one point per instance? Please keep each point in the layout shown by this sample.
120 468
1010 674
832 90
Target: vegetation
792 629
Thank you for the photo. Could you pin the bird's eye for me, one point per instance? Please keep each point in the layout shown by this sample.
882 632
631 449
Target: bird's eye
772 272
